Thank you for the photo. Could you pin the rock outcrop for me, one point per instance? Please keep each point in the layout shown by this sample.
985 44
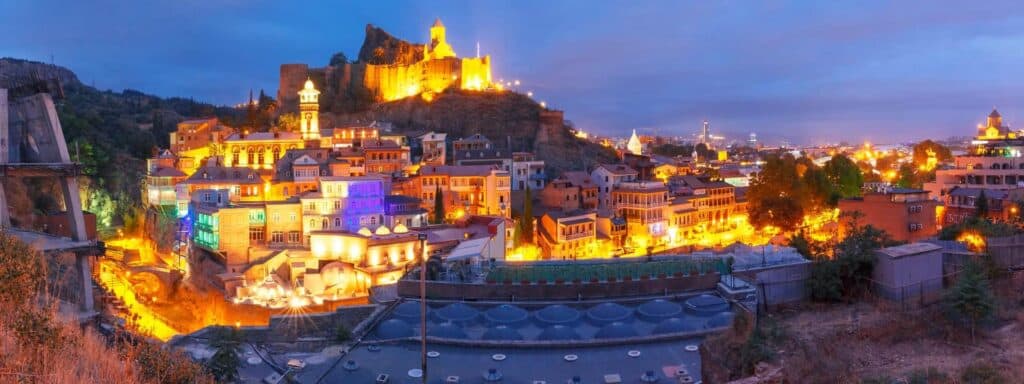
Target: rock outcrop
14 71
379 47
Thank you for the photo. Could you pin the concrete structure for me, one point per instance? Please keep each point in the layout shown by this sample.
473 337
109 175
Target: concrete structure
905 214
910 273
32 144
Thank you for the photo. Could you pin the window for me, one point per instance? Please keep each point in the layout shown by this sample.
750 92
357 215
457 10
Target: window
293 237
276 217
277 237
337 222
256 234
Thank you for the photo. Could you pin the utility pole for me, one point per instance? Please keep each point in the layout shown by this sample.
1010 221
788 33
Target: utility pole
423 305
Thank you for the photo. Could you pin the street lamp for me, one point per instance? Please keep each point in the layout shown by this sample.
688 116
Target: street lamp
423 304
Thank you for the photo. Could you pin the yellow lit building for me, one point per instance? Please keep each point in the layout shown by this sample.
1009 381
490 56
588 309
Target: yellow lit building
309 111
642 204
570 236
259 150
465 189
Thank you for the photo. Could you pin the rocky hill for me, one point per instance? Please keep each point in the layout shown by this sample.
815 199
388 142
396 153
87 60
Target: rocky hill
511 120
15 71
379 47
109 133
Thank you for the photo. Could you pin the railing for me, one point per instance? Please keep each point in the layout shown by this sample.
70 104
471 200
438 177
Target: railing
580 235
651 205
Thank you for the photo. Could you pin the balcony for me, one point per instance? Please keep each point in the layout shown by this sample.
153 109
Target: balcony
650 205
575 236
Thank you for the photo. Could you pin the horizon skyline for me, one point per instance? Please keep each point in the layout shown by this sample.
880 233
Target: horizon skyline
844 74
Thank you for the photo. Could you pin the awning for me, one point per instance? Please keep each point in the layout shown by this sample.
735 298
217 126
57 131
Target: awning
468 249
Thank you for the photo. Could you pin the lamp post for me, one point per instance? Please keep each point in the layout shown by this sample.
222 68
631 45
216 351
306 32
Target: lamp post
423 305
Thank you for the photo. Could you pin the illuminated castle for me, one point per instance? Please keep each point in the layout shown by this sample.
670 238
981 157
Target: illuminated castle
390 69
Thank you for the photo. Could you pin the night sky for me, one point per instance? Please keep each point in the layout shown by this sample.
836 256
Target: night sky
808 72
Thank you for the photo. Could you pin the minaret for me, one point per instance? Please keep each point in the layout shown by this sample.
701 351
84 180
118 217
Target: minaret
309 111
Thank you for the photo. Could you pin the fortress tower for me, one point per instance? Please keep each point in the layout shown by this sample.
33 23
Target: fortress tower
438 47
309 111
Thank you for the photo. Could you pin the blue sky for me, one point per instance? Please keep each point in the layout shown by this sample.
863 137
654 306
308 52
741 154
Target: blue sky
808 71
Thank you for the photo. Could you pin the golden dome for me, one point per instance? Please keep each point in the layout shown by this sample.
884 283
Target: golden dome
400 228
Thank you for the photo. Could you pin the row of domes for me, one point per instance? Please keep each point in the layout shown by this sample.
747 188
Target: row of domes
558 314
396 329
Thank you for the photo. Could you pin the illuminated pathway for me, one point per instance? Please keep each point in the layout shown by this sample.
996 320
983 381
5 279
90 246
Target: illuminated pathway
143 319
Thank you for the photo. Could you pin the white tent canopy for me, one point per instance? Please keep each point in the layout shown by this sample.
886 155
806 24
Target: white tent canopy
469 249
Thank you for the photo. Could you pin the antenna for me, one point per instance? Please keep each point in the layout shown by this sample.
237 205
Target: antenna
478 49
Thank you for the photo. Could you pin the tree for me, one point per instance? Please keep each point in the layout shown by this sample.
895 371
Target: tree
438 206
22 272
907 177
250 113
289 122
981 205
929 149
777 195
673 150
844 175
224 363
971 297
848 273
527 219
338 58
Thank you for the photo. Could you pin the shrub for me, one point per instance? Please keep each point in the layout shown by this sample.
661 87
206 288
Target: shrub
982 373
342 334
928 376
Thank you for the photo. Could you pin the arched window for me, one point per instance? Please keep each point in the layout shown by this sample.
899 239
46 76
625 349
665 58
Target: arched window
337 222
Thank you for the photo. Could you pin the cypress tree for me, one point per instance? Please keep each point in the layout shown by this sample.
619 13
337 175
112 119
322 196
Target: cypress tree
981 205
971 298
527 219
438 206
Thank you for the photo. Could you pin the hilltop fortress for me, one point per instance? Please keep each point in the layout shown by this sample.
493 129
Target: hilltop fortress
387 69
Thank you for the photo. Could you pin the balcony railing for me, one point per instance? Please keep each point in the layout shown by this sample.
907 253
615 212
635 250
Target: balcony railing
580 235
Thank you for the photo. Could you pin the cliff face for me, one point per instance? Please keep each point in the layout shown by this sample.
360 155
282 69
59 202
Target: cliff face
379 47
